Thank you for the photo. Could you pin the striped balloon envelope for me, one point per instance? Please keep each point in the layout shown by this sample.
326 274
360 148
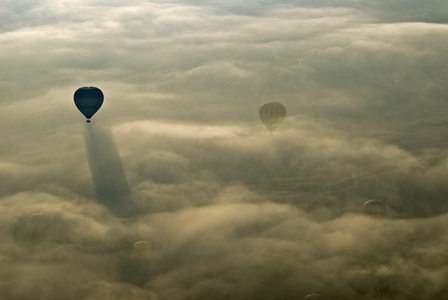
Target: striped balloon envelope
374 208
88 100
272 115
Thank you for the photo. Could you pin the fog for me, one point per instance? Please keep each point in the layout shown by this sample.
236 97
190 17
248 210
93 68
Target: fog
178 157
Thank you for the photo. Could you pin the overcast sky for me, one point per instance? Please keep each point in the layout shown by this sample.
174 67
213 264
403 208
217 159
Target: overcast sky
178 157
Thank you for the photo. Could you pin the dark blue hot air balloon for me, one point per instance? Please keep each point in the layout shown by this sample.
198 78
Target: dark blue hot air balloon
88 100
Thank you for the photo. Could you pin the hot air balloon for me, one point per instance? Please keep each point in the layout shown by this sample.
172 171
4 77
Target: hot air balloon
272 115
313 296
88 100
32 229
142 246
141 249
135 267
374 208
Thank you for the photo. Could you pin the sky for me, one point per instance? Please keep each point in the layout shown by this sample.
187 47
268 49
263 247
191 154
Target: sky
178 157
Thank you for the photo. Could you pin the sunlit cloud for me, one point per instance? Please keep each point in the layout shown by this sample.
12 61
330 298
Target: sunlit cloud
194 131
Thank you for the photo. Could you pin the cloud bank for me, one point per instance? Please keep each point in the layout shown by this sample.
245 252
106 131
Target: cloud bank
231 211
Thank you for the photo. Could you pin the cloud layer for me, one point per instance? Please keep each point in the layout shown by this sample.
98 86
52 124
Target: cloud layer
231 211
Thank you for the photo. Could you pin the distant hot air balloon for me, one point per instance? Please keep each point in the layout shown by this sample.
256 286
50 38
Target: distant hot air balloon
135 267
313 296
374 208
31 228
88 100
272 115
142 248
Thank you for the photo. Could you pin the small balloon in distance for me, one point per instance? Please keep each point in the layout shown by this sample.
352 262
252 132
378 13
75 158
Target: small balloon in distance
374 208
32 228
38 219
142 248
272 115
88 100
313 296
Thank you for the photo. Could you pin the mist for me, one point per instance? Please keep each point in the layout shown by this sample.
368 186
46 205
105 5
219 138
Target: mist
177 155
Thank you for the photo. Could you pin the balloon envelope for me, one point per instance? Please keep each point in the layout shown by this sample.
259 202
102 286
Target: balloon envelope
142 247
374 208
272 115
88 100
313 296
